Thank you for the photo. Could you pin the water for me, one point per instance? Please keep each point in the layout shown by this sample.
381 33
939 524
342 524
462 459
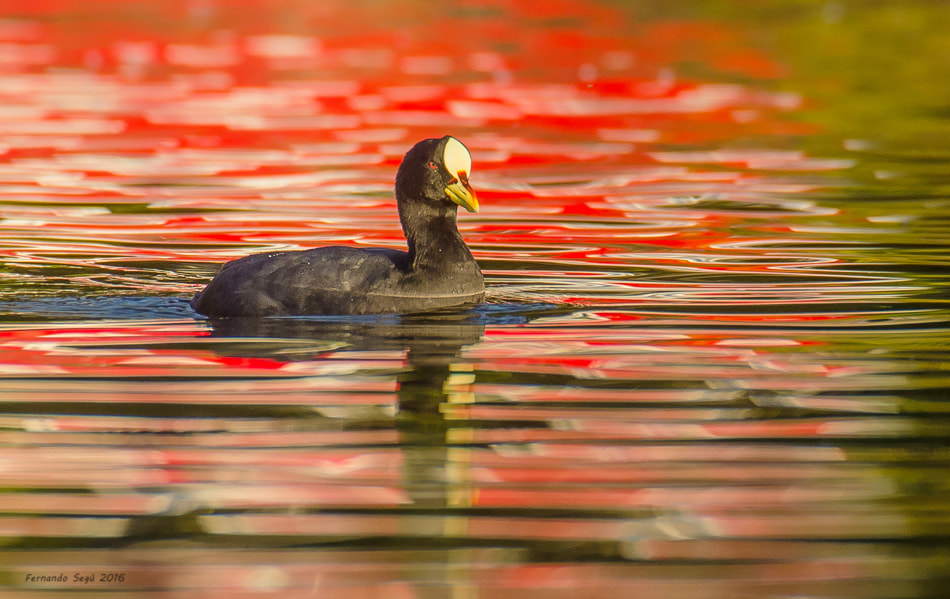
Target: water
711 363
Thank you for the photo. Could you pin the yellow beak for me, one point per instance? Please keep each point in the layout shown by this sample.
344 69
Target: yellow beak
462 193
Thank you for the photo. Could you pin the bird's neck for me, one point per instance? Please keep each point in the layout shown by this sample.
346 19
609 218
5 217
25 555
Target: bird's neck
433 236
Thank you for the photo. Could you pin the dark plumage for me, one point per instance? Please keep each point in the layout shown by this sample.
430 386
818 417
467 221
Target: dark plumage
438 271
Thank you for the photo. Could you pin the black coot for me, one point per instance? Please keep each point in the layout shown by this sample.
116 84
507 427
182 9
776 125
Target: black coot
437 272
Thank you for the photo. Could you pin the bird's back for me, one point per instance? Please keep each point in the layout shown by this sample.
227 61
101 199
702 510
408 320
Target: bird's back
333 280
327 280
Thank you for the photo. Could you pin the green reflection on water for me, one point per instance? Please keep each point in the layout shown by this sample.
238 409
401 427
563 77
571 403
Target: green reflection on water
874 76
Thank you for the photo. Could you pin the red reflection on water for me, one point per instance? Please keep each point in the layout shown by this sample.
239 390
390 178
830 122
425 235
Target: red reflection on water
585 138
154 85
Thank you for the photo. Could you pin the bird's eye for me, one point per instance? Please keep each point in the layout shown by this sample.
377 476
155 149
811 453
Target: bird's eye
433 165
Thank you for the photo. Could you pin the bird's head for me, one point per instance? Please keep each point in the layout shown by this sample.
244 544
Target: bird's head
437 170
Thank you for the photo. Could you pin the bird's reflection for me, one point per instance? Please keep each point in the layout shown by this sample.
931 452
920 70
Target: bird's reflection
433 347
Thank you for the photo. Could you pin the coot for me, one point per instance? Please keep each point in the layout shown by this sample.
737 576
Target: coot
437 272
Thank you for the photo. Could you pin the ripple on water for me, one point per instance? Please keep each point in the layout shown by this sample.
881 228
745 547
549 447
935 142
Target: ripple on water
708 364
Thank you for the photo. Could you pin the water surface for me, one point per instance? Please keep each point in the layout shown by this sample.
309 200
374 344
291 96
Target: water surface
711 363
